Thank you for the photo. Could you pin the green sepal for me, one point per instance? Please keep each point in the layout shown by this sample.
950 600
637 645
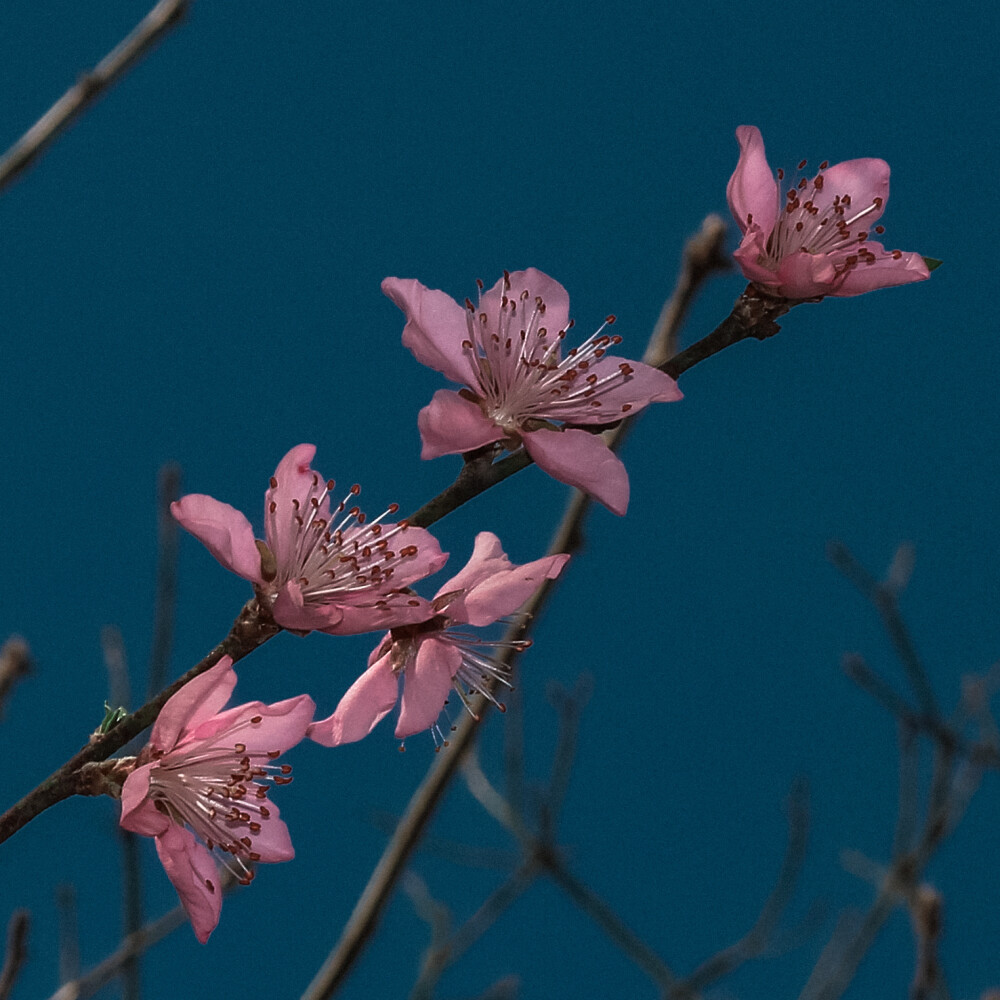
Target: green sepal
932 263
112 716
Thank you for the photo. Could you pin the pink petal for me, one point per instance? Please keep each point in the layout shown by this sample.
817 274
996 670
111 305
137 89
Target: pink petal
538 285
864 180
366 702
223 530
583 460
290 611
195 702
282 725
389 611
435 328
503 593
750 255
139 814
803 275
752 190
644 386
884 273
297 482
450 424
488 557
426 686
273 843
426 560
190 868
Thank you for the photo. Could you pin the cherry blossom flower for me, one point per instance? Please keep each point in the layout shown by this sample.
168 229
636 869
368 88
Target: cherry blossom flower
812 240
431 658
313 571
507 351
202 783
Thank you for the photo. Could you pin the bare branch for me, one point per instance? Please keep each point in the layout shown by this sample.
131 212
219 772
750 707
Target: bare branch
15 665
16 953
69 933
166 579
89 87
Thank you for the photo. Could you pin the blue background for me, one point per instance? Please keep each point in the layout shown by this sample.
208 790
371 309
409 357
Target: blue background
192 273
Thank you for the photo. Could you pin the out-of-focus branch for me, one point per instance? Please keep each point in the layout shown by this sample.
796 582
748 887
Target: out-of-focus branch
367 911
16 953
166 578
15 665
89 87
69 933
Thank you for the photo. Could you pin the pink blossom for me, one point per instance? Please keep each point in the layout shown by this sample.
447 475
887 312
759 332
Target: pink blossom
812 240
507 351
202 786
434 656
313 571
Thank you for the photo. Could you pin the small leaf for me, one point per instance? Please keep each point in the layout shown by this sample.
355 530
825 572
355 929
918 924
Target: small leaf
112 716
932 263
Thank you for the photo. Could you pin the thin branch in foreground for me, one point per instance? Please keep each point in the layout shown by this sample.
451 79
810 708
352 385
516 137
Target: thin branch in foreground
368 910
16 953
69 933
15 665
89 87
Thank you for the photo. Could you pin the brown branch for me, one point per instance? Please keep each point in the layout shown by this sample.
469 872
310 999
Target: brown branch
89 87
15 665
69 933
476 475
249 631
17 951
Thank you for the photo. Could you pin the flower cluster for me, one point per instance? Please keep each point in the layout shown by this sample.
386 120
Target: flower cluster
202 785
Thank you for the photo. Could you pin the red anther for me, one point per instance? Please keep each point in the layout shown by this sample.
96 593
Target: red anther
254 856
255 827
279 780
315 502
413 604
798 227
610 319
246 842
594 402
265 813
257 719
896 254
479 284
802 164
880 230
781 174
501 706
408 550
272 506
626 407
802 183
824 165
362 517
625 368
304 581
402 748
209 885
274 483
818 183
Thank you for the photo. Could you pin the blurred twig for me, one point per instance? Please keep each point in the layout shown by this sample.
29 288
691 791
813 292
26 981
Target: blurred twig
69 933
16 952
368 909
89 87
15 665
166 579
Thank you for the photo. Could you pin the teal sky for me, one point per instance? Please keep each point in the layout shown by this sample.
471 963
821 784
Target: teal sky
192 274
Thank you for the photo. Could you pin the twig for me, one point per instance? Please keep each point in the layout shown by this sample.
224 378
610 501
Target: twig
249 631
116 665
761 936
475 476
15 665
166 579
69 933
89 87
16 953
569 705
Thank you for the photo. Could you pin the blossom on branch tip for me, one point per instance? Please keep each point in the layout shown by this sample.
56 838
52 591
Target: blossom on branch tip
431 658
519 387
202 783
321 567
812 240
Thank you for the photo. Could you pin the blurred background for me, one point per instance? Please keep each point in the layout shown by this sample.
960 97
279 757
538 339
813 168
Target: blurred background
192 273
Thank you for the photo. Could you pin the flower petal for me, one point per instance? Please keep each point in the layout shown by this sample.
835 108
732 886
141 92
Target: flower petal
139 814
195 702
435 328
865 181
488 557
190 868
752 191
803 275
290 610
389 611
583 460
525 287
281 726
426 686
503 593
297 484
644 385
883 273
273 842
223 530
367 701
450 424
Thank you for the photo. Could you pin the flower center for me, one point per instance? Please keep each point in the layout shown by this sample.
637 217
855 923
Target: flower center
520 373
220 791
819 221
